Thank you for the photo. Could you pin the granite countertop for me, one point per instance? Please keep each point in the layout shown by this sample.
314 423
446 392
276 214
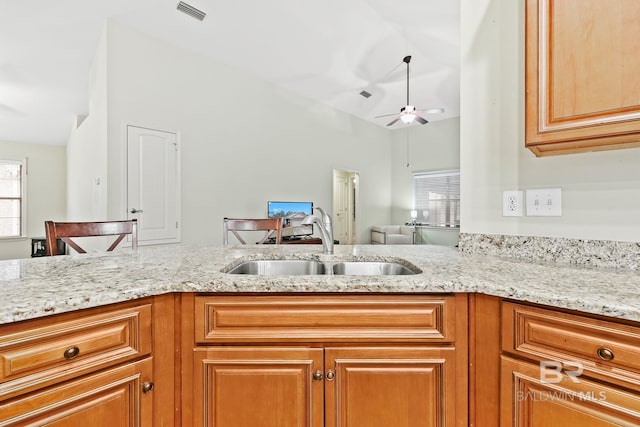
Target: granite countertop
42 286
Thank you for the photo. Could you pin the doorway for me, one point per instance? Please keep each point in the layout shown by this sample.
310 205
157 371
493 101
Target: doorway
153 184
345 206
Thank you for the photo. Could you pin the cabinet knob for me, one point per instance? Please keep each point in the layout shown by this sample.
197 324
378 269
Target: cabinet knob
317 375
605 353
71 353
330 375
147 387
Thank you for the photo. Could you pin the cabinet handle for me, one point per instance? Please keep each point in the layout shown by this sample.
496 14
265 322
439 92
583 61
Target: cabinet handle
317 375
71 353
330 375
147 387
605 353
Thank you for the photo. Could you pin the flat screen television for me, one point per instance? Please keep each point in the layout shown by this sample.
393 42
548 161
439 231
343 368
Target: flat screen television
292 214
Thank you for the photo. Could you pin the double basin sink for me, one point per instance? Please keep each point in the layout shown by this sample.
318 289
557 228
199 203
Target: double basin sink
290 267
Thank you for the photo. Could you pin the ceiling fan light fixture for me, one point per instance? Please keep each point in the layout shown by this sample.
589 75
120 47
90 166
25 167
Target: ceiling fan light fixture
408 114
407 117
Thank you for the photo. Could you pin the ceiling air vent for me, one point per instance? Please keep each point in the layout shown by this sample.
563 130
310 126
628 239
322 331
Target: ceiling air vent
191 11
365 94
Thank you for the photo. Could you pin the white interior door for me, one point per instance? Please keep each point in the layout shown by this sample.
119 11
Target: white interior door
340 208
153 184
344 222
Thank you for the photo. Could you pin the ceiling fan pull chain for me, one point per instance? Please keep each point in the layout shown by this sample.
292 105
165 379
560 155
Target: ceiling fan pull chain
407 138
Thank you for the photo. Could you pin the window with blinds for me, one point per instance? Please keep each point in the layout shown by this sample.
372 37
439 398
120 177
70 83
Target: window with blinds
436 198
11 198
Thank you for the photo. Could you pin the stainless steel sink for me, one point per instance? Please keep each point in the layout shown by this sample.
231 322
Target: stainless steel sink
370 268
297 267
279 267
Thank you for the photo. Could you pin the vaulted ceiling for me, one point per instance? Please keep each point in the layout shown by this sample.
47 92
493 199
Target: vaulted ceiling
328 50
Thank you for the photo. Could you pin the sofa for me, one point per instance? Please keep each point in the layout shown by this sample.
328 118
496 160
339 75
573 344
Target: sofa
393 235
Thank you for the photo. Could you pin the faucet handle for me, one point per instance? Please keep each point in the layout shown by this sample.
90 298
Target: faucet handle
325 216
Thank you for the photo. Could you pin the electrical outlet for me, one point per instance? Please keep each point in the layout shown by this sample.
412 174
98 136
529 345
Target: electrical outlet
544 202
512 203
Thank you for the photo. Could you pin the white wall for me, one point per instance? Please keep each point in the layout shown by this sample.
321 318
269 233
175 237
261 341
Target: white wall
432 147
46 191
87 150
244 141
600 191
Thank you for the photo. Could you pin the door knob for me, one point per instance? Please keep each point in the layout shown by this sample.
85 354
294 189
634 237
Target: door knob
134 210
317 375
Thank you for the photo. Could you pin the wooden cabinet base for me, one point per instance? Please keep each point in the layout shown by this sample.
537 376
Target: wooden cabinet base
317 360
110 398
527 400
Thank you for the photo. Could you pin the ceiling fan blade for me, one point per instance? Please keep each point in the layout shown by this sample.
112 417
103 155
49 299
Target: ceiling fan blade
432 110
385 115
421 120
393 121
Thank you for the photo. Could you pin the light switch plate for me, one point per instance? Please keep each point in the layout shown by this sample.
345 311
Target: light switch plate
512 203
544 202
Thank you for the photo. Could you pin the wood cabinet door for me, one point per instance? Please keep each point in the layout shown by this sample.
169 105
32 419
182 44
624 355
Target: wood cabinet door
109 398
257 387
531 399
582 81
399 387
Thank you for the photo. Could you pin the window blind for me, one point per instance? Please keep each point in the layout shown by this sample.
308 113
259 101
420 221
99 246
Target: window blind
436 198
10 198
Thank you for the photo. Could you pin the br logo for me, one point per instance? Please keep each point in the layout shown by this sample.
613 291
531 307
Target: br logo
551 372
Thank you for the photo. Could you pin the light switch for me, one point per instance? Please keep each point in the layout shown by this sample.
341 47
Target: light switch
544 202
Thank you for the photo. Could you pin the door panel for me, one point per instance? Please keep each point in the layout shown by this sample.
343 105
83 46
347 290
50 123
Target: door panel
266 387
153 184
382 387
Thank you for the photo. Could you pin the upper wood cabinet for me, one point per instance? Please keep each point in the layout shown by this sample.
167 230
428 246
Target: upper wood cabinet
582 75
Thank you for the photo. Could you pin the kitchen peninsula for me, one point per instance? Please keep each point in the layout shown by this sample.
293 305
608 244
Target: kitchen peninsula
182 340
43 286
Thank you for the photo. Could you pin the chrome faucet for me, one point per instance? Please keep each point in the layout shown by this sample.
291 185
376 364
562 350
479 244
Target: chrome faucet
326 229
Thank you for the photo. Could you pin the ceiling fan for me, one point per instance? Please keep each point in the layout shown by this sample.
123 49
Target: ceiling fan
408 113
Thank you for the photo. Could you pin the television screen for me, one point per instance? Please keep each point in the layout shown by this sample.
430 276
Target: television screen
292 214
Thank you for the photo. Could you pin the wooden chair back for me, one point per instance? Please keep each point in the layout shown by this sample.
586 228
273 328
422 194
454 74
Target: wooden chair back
272 226
67 230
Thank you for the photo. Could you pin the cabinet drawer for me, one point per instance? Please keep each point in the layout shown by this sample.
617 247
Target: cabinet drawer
114 397
323 318
526 400
602 347
40 353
